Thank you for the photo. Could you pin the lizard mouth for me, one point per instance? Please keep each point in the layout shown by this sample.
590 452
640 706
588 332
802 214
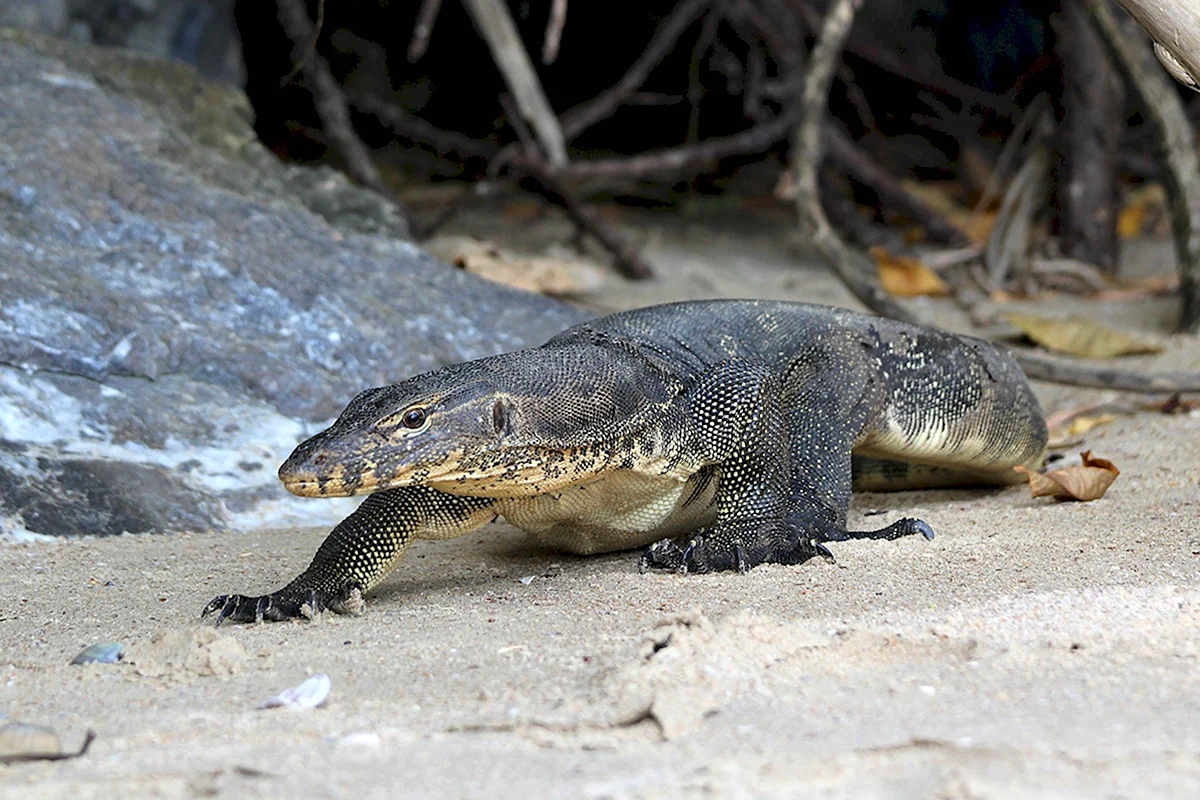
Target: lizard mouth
303 487
333 485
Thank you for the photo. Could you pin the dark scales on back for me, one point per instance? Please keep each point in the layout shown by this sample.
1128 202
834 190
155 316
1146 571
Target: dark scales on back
719 434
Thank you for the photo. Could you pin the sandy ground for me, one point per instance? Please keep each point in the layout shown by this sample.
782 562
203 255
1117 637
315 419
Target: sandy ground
1032 649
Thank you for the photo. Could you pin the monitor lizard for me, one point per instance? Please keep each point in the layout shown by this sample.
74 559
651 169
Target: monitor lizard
718 434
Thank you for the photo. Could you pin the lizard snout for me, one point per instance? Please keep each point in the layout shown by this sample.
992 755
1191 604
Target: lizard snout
313 471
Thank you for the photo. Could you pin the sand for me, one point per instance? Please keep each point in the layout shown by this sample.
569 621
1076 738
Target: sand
1032 649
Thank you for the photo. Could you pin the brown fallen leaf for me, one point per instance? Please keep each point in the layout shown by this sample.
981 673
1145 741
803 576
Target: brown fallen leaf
548 275
906 277
1067 426
1144 209
1087 482
975 225
1081 336
1083 424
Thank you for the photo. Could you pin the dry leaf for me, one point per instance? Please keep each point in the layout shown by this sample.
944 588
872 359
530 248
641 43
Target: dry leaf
906 277
1147 204
532 273
1067 426
1081 336
1087 482
975 225
1081 425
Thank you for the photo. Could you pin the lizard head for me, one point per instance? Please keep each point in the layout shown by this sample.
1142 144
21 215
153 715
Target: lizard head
511 425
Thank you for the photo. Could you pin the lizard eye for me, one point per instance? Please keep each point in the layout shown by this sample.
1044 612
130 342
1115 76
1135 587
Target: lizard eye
413 418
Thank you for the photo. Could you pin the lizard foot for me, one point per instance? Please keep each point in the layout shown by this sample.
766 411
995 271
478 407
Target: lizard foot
734 546
284 604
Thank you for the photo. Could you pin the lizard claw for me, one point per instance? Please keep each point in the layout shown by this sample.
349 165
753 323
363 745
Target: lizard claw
739 554
283 605
665 554
823 551
237 607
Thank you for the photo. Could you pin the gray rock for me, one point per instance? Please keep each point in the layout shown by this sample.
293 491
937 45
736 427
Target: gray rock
202 33
48 16
175 313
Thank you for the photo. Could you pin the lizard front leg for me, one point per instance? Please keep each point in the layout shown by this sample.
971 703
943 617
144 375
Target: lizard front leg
361 551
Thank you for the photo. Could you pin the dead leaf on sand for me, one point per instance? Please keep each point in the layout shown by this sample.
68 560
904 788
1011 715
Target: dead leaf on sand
906 277
544 274
1086 482
1081 336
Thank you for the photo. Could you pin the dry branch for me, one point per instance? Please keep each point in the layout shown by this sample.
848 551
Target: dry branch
857 272
1175 28
422 29
495 24
1180 163
554 29
330 103
582 117
538 176
1093 117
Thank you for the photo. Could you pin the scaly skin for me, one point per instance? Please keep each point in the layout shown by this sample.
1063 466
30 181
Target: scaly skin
718 433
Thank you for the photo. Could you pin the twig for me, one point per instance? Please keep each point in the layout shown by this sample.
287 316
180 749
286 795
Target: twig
695 91
554 29
603 105
897 65
675 160
495 24
1180 163
312 45
13 758
543 182
853 268
1009 240
856 271
422 29
328 98
407 126
626 257
860 166
1028 122
462 201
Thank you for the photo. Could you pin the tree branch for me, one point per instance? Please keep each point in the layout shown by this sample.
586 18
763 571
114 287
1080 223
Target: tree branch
1180 164
327 96
496 26
857 272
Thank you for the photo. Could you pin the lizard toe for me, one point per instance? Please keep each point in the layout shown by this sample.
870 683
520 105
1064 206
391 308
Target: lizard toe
284 605
665 555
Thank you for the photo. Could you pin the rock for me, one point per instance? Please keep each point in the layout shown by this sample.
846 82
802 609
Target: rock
185 654
51 16
176 313
202 33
